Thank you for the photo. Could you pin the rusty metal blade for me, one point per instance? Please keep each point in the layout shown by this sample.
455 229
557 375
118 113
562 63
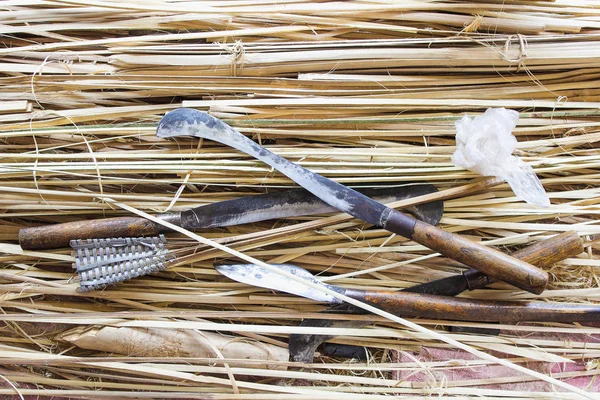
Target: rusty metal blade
300 202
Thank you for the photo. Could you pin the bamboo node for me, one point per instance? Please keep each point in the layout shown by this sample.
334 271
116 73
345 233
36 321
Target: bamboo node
474 25
522 47
238 53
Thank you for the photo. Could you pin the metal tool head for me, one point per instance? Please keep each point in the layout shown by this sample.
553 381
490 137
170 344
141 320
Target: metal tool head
255 275
104 262
300 202
191 122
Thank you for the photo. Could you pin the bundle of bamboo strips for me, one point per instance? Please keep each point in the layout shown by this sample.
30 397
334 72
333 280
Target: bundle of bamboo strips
364 93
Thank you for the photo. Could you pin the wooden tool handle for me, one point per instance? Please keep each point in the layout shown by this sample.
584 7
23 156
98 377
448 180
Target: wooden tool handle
431 306
552 250
59 235
485 259
542 254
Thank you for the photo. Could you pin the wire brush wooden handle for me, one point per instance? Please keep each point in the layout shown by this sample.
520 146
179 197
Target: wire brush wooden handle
59 235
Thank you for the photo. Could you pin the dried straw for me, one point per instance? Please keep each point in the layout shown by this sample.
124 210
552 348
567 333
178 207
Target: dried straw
364 93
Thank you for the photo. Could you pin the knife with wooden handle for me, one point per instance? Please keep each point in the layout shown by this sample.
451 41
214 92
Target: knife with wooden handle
243 210
416 305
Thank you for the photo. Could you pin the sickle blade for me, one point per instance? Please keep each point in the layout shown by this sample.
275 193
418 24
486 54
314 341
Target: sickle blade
190 122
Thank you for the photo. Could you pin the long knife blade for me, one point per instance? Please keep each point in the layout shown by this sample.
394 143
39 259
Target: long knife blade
300 202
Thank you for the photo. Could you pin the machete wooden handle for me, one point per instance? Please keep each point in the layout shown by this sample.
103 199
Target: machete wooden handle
59 235
485 259
432 306
541 254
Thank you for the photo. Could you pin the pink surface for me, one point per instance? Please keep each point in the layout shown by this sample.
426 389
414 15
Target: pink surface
459 375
